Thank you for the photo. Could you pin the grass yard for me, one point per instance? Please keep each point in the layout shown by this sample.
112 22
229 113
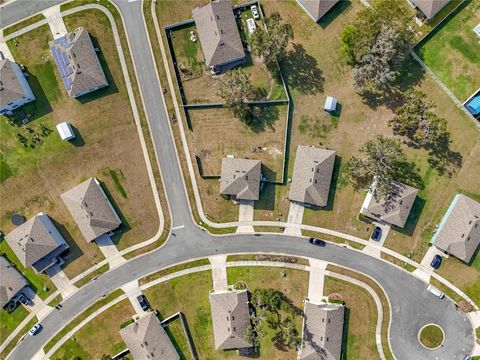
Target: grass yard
294 285
107 146
452 51
16 339
89 343
431 336
10 321
360 319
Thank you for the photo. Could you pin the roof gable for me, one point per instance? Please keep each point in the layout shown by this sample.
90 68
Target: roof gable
241 178
10 88
317 8
431 7
11 281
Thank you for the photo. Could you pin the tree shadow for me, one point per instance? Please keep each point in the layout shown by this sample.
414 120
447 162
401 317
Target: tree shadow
111 88
301 71
78 140
264 116
443 159
332 14
74 252
407 173
413 218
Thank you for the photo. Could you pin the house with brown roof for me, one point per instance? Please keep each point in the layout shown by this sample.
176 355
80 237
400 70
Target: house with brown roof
316 9
12 282
218 33
312 175
459 231
77 62
430 8
393 210
37 243
146 339
240 178
91 209
231 317
14 88
322 331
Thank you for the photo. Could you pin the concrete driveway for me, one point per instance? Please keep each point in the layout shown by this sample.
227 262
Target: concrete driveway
295 216
245 213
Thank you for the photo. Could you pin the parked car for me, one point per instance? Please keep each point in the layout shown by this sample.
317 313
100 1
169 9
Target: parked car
251 26
142 300
317 242
255 13
35 329
437 260
24 300
435 291
377 233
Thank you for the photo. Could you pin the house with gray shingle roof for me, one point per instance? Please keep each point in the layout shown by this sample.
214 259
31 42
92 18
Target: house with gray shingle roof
91 209
430 7
393 210
77 63
146 339
14 88
316 9
322 331
241 178
312 175
231 317
37 243
459 231
11 282
218 33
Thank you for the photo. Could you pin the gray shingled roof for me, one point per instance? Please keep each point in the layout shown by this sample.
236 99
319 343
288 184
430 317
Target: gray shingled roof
312 175
218 33
35 239
322 331
11 282
241 178
395 210
317 8
146 339
231 317
91 209
10 88
86 73
431 7
459 231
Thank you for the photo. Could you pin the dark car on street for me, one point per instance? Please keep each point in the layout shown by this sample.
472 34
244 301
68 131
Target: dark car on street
377 234
317 242
142 300
437 260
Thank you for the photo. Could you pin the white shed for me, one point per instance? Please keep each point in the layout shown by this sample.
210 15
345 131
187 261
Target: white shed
330 104
65 130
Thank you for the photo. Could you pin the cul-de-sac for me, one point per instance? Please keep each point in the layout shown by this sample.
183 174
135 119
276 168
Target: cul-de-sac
228 179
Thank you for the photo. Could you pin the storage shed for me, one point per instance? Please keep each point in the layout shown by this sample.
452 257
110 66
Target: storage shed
330 104
474 106
65 130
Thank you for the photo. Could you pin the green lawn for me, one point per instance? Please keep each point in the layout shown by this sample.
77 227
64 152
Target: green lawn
9 321
38 282
15 340
453 51
431 336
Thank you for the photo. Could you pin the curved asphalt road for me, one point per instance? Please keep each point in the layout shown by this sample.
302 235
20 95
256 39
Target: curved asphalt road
412 305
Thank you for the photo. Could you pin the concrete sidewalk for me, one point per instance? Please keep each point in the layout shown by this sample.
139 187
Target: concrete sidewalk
424 271
295 216
374 247
132 290
315 280
4 49
55 21
38 306
110 251
61 281
219 272
245 213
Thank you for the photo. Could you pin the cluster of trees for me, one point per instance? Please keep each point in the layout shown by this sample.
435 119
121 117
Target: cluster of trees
276 311
376 44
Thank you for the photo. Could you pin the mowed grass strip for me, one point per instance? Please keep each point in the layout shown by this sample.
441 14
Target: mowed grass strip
24 23
17 338
10 320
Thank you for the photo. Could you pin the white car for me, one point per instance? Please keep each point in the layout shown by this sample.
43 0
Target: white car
251 26
35 329
255 13
435 291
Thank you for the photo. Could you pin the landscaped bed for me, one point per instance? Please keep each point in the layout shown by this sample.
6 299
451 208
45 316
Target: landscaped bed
452 51
107 146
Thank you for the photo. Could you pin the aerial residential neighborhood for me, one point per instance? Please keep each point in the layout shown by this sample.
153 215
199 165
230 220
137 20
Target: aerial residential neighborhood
218 179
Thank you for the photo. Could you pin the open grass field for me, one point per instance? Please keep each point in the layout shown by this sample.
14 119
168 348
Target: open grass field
107 146
452 51
360 319
89 343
